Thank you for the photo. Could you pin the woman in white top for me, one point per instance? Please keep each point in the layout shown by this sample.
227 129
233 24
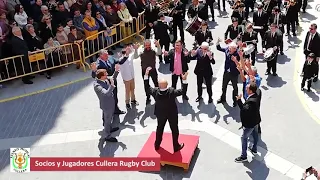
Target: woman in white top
126 24
68 3
20 16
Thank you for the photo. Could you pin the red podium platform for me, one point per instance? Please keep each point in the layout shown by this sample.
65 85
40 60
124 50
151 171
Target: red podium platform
181 158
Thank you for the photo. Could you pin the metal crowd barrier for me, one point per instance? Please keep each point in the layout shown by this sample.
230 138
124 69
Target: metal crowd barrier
40 61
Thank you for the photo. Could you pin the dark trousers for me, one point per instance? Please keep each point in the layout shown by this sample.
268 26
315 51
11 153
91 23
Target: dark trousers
317 66
252 56
148 30
208 81
178 24
272 65
303 83
281 43
184 6
223 4
154 76
174 80
117 36
304 5
173 123
291 23
248 6
227 77
115 96
166 45
210 6
262 32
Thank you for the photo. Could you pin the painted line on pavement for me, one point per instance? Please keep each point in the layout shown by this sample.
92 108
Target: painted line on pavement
43 90
271 160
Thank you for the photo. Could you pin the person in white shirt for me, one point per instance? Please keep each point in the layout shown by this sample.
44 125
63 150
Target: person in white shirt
127 73
20 16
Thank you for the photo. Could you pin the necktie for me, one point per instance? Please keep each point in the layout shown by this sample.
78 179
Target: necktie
259 14
310 38
272 35
150 8
240 14
250 34
277 20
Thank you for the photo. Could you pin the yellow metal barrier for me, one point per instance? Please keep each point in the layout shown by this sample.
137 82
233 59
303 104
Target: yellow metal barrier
141 22
40 61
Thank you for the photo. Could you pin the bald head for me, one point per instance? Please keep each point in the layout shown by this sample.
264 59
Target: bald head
163 83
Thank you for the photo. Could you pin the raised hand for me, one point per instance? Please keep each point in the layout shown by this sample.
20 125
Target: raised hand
156 43
239 96
193 52
186 52
135 46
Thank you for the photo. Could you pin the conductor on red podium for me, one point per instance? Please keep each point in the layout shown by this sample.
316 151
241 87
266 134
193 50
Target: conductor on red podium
166 110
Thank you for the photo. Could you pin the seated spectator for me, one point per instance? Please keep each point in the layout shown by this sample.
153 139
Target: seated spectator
68 25
96 7
33 40
35 25
115 6
52 6
77 20
61 14
77 37
20 16
88 7
132 6
79 5
68 3
112 17
126 23
45 12
3 6
3 18
11 5
48 29
4 25
54 55
102 22
62 38
36 11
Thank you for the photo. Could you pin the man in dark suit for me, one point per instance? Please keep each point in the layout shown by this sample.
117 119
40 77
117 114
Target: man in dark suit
268 5
104 89
249 4
231 72
311 45
260 18
250 119
291 17
178 59
250 37
203 34
161 33
278 19
203 69
21 48
233 30
197 9
166 110
272 40
177 21
211 5
239 13
151 15
108 63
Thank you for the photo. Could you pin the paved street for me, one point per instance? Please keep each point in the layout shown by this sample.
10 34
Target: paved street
66 121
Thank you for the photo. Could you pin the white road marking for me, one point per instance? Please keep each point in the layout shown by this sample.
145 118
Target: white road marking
270 159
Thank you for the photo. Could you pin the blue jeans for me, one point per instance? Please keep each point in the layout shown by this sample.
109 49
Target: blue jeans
244 139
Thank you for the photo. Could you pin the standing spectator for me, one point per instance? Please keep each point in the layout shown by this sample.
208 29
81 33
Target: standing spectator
96 7
68 3
127 73
112 19
77 20
115 6
79 5
127 23
48 29
62 38
68 25
36 11
4 25
54 55
52 6
33 40
250 119
26 5
77 37
20 16
132 8
102 22
21 48
3 6
45 12
35 25
61 15
3 18
91 27
88 7
11 4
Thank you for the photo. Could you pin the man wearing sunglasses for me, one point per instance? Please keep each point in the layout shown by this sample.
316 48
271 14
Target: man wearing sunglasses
311 45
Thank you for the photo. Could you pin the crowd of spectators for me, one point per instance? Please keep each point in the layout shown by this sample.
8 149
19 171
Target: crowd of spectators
51 23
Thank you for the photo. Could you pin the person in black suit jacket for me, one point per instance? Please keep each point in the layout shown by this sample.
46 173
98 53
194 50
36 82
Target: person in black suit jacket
250 37
250 119
269 5
272 40
132 8
166 110
176 73
151 15
239 13
260 18
203 34
233 30
20 47
291 17
177 21
161 33
197 9
203 69
211 4
311 45
309 71
278 19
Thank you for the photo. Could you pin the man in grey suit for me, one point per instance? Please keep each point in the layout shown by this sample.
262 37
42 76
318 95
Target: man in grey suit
104 89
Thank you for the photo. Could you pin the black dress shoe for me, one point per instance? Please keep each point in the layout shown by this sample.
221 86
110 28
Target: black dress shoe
281 53
148 101
114 129
112 139
27 81
234 104
179 148
198 99
267 73
119 112
221 101
275 74
210 101
315 79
